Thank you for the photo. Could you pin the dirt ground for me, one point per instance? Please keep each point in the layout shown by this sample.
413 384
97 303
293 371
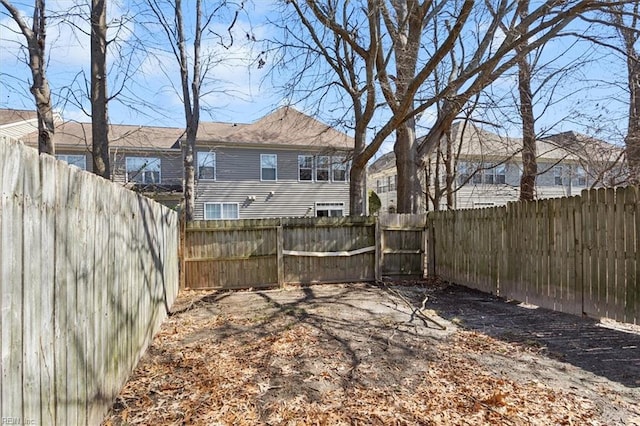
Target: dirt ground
412 353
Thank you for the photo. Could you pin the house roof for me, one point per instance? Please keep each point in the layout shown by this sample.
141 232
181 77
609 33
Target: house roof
15 123
585 147
480 144
78 135
384 162
285 126
14 116
571 146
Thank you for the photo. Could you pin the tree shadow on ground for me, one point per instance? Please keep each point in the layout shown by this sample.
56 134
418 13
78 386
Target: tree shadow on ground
351 321
583 342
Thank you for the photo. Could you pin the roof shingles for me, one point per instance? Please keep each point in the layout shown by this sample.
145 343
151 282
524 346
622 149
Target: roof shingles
285 126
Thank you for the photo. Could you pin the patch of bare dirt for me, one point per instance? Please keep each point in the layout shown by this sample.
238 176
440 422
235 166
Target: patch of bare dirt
355 354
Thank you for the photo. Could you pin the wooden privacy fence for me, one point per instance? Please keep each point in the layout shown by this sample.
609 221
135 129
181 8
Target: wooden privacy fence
88 271
273 252
576 255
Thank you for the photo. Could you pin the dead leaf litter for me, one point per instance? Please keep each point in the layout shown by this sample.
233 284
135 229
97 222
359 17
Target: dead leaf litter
330 355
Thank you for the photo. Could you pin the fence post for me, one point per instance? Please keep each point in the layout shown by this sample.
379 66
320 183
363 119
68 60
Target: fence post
379 250
578 227
279 254
430 246
182 236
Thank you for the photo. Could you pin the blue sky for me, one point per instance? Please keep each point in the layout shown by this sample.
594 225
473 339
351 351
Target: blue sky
242 92
238 94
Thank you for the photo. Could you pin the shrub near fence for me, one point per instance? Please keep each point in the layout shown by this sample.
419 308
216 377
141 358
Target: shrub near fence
576 254
88 271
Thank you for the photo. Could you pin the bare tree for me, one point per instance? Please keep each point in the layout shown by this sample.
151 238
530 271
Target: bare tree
520 35
626 19
190 82
529 164
408 94
36 38
351 69
404 23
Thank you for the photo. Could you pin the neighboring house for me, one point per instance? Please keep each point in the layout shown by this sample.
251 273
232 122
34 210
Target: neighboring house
382 179
285 164
488 168
133 151
16 123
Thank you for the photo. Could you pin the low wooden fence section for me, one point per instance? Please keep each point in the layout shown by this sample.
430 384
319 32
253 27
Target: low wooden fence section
401 240
273 252
466 245
576 254
88 271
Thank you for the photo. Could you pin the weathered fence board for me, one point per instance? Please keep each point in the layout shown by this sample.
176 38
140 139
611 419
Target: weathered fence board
403 251
270 252
575 254
84 283
328 250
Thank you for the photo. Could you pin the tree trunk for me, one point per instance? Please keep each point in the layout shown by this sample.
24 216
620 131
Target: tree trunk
99 100
36 42
529 151
358 172
632 140
357 191
191 99
450 170
40 88
188 156
406 150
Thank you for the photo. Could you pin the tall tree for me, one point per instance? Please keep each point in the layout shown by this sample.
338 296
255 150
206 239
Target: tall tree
504 42
349 52
36 43
191 83
626 19
404 23
99 99
529 152
474 33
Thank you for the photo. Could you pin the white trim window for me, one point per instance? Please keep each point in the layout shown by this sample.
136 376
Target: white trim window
206 165
145 170
392 182
268 167
305 167
464 172
500 174
221 211
323 164
339 169
76 160
487 174
580 176
329 209
558 175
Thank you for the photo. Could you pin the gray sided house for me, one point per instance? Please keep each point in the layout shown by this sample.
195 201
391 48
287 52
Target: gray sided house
488 168
285 164
142 158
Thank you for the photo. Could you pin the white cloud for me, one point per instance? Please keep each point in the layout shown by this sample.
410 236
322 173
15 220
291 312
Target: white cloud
75 115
